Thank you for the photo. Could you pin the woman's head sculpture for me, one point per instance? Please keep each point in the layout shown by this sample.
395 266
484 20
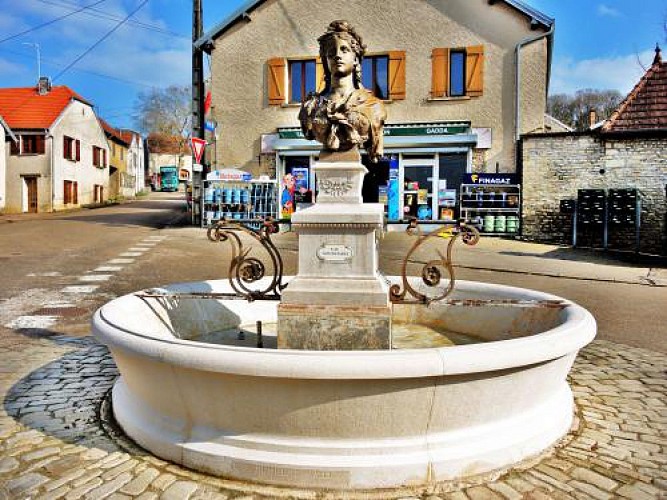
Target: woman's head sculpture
341 30
344 116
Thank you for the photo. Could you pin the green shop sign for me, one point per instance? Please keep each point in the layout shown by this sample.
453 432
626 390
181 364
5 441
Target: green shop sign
416 129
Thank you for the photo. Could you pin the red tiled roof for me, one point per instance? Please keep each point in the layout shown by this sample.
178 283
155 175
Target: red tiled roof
116 134
645 108
24 108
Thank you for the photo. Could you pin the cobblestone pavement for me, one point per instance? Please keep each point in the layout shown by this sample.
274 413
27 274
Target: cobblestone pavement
53 444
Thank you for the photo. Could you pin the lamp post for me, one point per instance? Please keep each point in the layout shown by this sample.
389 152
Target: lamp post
39 58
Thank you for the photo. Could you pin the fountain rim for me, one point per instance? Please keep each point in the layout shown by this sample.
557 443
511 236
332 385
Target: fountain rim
577 329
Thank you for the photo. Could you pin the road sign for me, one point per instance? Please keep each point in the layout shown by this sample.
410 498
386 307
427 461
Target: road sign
198 145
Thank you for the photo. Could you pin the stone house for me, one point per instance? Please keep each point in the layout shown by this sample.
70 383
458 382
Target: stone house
166 150
461 81
6 135
629 151
126 163
59 159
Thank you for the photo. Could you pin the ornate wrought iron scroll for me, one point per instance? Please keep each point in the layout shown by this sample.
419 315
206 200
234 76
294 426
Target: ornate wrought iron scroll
244 270
432 271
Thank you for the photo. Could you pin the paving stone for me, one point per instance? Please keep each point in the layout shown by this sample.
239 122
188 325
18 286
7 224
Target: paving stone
594 478
80 491
180 490
635 493
482 493
109 487
147 496
505 490
141 482
8 465
55 494
163 481
590 490
25 483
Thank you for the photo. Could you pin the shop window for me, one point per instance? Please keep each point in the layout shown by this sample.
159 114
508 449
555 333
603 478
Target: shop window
452 170
457 72
71 149
295 185
302 79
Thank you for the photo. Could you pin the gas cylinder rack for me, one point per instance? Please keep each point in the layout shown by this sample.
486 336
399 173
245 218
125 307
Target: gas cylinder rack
238 198
492 208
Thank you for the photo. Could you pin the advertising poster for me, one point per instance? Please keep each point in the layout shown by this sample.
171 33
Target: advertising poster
300 175
287 196
393 195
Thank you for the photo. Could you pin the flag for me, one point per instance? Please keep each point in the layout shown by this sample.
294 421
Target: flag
207 102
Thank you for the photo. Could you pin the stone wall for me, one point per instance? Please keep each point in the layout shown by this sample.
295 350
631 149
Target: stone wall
556 166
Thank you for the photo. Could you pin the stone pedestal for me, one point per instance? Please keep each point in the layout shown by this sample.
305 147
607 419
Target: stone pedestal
338 300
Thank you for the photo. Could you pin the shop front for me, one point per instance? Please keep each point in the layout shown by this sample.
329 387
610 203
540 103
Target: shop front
420 175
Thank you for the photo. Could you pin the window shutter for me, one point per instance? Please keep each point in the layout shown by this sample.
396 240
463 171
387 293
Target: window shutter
397 75
439 73
40 147
14 146
276 81
76 191
95 161
66 152
78 150
319 75
475 70
104 158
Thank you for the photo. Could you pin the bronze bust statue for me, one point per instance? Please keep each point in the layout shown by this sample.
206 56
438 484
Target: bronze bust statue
345 115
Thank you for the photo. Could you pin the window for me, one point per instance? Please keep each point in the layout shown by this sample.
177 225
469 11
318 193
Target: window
302 79
98 193
28 145
71 149
71 192
99 157
457 72
375 75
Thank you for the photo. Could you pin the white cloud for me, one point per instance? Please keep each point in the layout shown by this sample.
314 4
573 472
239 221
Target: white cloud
620 73
605 10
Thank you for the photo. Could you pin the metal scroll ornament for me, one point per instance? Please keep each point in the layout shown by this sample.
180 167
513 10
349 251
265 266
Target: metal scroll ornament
433 271
246 270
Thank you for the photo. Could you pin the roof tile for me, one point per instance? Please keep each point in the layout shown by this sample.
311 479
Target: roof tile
24 108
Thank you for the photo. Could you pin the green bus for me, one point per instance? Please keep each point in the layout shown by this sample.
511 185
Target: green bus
168 178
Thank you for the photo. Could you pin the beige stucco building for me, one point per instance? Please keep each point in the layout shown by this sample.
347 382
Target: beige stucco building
59 160
6 135
461 80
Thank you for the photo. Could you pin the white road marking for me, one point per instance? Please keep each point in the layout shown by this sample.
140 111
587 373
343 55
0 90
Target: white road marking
80 289
137 249
32 322
108 269
121 261
130 254
58 304
51 274
95 277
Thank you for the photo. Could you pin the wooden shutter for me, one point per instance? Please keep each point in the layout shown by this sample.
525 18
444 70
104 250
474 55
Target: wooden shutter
67 154
104 158
96 161
276 81
439 73
78 150
40 146
475 70
14 146
319 75
397 75
75 186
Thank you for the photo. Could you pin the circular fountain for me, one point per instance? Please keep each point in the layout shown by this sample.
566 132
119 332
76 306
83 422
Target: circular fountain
194 391
355 388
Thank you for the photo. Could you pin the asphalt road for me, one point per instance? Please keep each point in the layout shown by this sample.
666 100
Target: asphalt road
51 268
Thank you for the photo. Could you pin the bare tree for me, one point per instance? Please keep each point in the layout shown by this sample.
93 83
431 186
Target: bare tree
165 111
574 109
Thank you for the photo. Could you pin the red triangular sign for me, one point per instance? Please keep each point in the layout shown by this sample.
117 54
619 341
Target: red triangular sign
198 146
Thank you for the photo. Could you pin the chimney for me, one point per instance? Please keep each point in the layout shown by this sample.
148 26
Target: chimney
44 85
592 117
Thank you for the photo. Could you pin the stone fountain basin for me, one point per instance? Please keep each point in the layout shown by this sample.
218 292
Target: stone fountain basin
343 419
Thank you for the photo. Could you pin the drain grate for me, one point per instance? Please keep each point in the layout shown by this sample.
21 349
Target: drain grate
66 312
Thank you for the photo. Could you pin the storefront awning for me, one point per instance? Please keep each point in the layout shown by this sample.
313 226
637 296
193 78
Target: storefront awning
393 144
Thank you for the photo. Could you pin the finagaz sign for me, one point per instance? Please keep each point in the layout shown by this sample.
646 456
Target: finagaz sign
492 179
335 253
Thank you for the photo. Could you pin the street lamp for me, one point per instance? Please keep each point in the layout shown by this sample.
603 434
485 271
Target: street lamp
39 58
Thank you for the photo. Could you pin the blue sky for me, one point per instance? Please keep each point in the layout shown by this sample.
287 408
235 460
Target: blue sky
598 44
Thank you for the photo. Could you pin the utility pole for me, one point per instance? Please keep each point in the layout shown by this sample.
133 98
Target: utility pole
197 105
